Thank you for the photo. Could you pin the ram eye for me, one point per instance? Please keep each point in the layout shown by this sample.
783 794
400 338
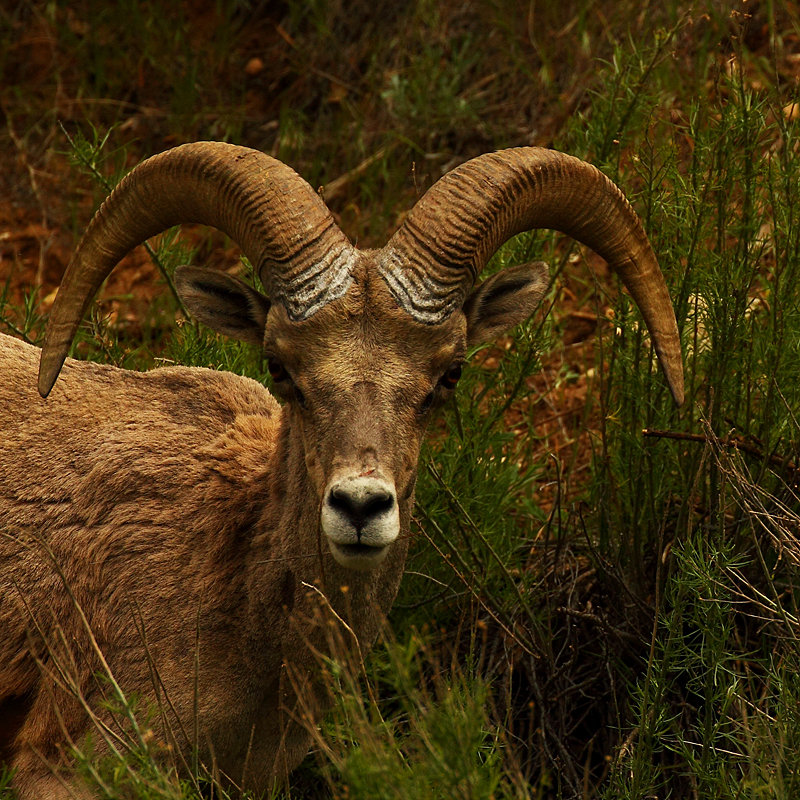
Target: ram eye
450 378
277 370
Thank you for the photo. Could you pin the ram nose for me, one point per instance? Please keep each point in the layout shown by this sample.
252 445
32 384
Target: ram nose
360 517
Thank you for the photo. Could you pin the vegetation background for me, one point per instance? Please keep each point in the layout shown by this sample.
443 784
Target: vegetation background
601 599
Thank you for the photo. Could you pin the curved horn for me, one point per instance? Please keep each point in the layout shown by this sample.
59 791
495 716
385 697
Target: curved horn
282 226
433 260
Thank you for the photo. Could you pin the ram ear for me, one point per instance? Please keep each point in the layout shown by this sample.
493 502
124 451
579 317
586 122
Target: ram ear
227 305
504 300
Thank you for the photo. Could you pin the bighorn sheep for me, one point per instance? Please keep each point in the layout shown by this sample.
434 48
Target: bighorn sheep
177 514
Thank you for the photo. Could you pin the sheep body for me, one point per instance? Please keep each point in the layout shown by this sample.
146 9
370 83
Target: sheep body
169 500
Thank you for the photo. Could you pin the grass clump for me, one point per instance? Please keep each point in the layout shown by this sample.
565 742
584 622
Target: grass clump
438 741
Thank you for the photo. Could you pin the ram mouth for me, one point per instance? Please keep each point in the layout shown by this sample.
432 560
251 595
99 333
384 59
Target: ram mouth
360 550
358 556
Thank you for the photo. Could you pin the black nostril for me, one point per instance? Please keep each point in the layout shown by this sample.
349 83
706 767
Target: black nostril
360 507
340 501
378 504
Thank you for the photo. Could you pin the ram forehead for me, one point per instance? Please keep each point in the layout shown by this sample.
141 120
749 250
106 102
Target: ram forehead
365 333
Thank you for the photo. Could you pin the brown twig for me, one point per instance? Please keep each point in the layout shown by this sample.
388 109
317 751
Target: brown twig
336 187
734 442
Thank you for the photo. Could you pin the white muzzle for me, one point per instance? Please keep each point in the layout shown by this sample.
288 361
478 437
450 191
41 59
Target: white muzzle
360 517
